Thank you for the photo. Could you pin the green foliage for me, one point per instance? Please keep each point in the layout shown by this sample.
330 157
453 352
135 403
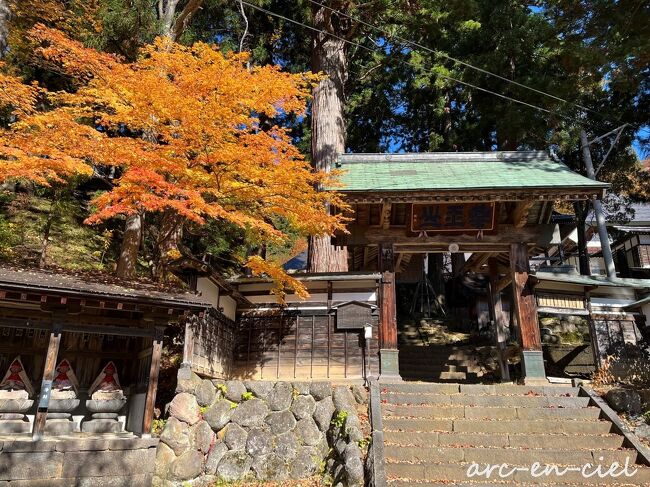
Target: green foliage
571 337
26 219
247 396
157 426
222 388
203 409
364 443
126 26
340 419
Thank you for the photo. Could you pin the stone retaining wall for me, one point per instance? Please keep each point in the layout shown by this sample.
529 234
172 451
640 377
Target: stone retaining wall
92 462
234 430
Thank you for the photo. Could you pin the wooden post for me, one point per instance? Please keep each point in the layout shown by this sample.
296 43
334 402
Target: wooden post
46 383
188 343
388 353
526 312
388 316
500 323
153 381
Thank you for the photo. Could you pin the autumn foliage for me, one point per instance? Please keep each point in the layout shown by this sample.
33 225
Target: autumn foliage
187 128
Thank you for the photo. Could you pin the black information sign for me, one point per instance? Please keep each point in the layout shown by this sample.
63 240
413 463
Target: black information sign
354 315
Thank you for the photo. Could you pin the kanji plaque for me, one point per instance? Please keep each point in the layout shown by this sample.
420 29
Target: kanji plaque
453 217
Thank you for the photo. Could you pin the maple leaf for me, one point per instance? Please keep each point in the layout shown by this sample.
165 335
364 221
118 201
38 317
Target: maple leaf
182 124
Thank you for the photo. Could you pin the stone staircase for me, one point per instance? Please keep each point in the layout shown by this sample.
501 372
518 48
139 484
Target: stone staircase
447 363
434 432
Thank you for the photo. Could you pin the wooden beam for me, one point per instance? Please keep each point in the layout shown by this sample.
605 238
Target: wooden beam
398 262
154 369
502 283
385 214
46 383
520 213
475 262
524 298
463 248
540 235
469 195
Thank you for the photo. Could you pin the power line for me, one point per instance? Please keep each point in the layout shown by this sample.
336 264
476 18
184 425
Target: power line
450 78
456 60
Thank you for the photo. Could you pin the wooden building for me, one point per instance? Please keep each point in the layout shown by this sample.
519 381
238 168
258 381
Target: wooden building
491 211
46 317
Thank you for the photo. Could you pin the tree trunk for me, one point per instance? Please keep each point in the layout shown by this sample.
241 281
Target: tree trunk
328 127
173 25
45 242
126 264
5 15
171 232
583 255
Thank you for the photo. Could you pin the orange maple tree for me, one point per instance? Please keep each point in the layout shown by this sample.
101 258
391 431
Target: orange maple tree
183 126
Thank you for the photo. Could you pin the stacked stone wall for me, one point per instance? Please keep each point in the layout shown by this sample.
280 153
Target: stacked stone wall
238 430
77 462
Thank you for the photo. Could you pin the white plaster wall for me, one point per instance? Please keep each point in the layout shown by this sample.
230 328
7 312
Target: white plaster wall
229 306
208 290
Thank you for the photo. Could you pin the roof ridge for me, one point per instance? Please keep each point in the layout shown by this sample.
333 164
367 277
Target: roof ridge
484 156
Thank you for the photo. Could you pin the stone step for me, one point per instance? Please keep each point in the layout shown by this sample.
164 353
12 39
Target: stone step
510 456
407 483
463 367
479 389
481 412
415 388
486 400
458 474
580 427
425 356
533 441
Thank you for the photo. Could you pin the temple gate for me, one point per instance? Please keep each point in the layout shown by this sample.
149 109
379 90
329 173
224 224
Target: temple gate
492 211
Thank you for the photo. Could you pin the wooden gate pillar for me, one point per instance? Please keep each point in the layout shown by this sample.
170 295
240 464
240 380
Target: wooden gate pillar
498 317
526 312
46 382
388 353
152 387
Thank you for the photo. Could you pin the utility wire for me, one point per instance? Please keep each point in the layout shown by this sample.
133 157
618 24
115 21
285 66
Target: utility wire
450 78
456 60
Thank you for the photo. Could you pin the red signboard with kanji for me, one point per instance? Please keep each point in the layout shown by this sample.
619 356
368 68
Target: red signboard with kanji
453 217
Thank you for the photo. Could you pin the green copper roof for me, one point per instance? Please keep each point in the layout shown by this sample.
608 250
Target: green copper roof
450 171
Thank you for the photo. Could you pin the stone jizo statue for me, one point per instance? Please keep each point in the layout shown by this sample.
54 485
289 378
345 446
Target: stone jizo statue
15 382
65 384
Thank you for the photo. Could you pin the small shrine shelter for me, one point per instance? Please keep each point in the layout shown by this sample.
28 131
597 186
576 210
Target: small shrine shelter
494 207
84 352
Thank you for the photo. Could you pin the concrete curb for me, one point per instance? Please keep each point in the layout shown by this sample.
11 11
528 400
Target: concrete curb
376 459
631 441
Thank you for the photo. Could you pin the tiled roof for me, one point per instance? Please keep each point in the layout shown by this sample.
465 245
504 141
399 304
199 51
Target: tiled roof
449 171
641 213
56 282
570 278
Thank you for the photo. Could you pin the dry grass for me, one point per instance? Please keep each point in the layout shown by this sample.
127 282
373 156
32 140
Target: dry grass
310 482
